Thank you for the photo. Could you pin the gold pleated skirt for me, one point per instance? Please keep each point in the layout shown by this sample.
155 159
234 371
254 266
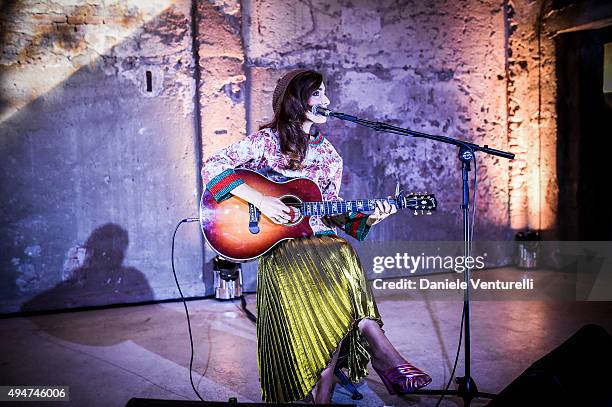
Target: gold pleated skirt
311 293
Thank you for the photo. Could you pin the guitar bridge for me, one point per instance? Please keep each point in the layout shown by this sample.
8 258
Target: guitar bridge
254 215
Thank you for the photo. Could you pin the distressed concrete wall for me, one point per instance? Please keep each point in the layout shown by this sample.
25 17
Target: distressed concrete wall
96 169
437 67
532 126
223 80
222 91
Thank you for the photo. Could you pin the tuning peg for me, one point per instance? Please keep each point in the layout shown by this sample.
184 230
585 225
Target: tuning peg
416 213
429 212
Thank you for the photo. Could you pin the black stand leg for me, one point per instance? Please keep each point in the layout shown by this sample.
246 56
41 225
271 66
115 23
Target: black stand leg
347 384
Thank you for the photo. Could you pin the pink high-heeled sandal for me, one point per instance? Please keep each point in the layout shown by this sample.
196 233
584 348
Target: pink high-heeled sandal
404 378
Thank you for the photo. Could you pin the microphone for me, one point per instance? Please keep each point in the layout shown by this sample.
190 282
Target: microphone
319 110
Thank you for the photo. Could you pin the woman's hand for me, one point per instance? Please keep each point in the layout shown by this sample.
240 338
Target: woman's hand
383 209
274 209
271 207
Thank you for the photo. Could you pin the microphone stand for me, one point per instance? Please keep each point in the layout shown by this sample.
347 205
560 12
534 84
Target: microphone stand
467 389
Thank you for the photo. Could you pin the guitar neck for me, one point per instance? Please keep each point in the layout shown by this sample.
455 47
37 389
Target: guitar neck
337 207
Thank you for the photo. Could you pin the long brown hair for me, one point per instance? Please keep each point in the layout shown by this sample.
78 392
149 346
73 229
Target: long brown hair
291 114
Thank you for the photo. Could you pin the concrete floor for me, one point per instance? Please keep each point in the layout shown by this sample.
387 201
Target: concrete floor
108 356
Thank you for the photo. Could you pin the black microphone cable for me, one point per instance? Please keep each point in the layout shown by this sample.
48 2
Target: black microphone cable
186 220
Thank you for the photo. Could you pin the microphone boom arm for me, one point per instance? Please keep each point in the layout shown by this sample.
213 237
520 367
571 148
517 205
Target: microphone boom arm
380 126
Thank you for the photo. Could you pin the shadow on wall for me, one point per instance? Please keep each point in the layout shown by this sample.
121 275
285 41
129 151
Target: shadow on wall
99 278
155 328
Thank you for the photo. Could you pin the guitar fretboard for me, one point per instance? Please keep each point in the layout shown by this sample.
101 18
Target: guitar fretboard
337 207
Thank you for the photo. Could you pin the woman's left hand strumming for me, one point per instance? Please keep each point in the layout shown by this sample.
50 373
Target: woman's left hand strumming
383 209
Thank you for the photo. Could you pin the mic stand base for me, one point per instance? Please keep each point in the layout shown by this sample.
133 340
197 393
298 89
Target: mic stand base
467 391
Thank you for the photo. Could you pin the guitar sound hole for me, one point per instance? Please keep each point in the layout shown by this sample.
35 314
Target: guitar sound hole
294 203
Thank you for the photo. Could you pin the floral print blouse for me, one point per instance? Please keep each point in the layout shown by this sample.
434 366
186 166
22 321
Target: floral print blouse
260 151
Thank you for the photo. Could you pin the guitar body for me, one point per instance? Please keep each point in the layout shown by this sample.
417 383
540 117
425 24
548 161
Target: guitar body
225 224
239 232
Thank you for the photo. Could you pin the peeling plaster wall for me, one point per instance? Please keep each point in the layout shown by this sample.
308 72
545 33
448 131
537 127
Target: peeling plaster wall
532 129
223 80
97 165
437 67
222 93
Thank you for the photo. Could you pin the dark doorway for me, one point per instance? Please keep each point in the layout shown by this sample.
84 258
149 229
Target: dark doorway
584 136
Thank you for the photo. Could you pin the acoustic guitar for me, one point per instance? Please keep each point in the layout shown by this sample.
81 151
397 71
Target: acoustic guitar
236 229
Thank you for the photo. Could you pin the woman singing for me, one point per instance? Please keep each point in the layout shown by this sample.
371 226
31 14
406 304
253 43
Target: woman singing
315 309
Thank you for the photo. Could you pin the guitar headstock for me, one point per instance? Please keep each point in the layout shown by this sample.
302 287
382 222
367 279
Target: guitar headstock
418 202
